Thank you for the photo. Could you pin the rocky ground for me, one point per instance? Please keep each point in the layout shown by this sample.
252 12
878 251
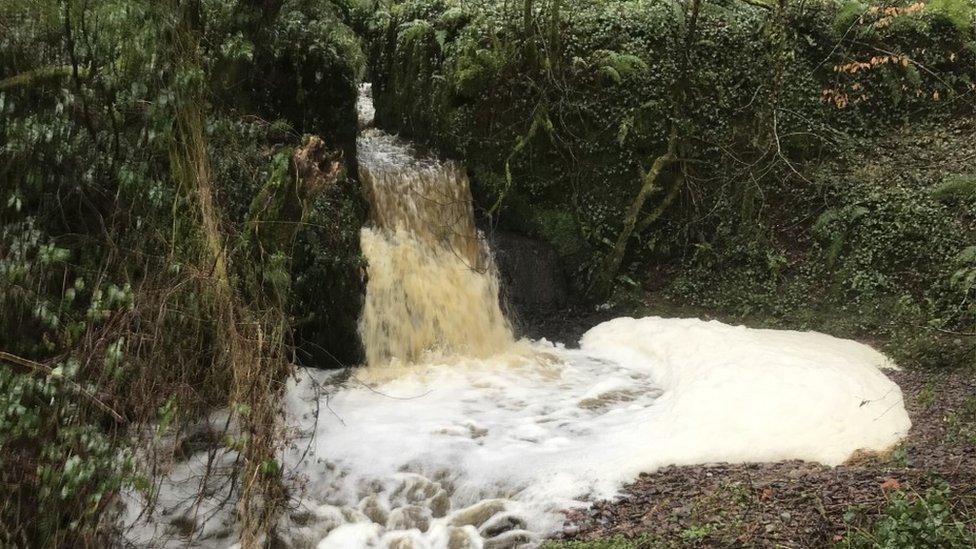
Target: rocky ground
799 504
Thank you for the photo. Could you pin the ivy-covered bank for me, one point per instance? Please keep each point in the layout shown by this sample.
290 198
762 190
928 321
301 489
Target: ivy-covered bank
178 226
798 164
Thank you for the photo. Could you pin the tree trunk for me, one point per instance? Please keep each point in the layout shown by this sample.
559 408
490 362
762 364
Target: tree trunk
297 178
526 18
648 180
40 76
673 192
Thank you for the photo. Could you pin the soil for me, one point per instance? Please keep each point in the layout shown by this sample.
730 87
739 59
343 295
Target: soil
800 504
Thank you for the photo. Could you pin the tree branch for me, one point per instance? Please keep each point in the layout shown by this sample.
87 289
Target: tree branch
37 76
758 4
673 193
648 180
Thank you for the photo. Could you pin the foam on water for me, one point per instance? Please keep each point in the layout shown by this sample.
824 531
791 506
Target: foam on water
468 452
546 428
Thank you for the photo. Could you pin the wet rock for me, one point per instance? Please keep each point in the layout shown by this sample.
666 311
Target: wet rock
223 532
354 515
183 525
462 538
197 438
373 508
439 504
401 540
531 274
477 514
302 517
279 540
299 538
500 524
409 517
511 540
414 489
329 517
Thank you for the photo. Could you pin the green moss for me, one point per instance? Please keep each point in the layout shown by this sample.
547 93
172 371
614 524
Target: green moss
959 12
560 229
956 187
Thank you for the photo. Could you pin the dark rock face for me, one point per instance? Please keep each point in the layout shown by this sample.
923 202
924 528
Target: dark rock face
531 276
536 294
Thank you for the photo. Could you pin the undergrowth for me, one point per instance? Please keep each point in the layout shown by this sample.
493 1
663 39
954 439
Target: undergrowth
135 294
820 182
910 519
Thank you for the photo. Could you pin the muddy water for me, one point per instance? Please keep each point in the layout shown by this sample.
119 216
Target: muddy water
433 285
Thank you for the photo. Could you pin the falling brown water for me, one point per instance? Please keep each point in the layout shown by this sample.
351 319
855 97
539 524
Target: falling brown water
433 286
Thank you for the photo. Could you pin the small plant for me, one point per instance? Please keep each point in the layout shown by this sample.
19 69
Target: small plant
909 520
899 457
961 424
926 396
697 532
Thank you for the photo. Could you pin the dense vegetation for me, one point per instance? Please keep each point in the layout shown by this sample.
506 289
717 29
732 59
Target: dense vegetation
154 256
812 181
179 212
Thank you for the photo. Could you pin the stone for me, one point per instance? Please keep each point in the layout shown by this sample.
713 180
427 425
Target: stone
373 508
511 540
409 517
477 514
461 538
530 271
399 541
439 504
414 489
500 524
183 525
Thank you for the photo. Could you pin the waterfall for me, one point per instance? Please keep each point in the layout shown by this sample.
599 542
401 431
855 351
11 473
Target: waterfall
483 441
433 285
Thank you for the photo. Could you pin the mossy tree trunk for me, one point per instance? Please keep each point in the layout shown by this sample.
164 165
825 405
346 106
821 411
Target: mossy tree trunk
648 186
276 214
604 281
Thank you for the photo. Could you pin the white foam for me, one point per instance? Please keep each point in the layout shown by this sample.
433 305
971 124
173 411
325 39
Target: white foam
546 427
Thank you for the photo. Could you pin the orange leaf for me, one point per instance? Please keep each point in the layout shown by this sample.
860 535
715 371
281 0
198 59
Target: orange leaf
890 484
